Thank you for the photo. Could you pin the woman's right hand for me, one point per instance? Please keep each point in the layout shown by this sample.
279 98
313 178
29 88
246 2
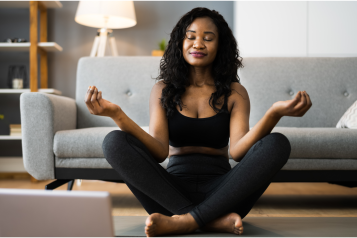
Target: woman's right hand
99 106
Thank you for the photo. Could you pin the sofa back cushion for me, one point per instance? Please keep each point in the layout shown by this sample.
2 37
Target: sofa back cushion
124 80
128 80
330 82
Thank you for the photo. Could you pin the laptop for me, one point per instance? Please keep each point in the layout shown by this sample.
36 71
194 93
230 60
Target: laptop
34 212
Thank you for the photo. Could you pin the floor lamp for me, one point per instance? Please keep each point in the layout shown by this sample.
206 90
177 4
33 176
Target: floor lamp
106 15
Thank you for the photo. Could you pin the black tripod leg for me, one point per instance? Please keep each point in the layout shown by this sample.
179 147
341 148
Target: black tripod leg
57 183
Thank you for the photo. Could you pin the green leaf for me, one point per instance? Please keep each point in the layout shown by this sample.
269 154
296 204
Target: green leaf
162 45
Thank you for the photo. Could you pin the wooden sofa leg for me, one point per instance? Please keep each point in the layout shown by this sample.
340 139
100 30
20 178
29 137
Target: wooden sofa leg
60 182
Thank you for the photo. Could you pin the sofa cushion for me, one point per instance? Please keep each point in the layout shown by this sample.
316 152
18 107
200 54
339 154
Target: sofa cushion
82 143
305 142
312 148
330 82
318 142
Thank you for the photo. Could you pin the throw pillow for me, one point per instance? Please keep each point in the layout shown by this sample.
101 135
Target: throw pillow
349 119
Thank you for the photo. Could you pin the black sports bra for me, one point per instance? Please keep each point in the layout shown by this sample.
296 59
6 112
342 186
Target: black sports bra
208 132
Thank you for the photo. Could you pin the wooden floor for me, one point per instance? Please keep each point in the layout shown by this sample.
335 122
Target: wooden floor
279 200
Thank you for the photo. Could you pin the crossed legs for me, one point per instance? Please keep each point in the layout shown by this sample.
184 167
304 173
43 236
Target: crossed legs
236 191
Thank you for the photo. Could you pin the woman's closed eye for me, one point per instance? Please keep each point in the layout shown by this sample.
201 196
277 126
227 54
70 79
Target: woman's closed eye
194 38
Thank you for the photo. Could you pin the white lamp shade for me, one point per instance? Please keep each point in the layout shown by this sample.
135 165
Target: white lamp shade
106 14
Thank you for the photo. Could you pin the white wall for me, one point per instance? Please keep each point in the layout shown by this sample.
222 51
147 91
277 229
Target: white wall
296 29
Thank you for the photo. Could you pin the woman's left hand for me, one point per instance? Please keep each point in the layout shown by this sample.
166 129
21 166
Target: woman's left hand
296 107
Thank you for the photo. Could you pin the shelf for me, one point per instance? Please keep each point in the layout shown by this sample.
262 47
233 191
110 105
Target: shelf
12 164
7 137
40 90
25 46
25 4
50 46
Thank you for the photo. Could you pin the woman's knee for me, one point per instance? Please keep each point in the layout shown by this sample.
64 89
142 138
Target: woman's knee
112 141
281 145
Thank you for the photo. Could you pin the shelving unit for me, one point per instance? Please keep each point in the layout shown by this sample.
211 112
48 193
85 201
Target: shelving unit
35 47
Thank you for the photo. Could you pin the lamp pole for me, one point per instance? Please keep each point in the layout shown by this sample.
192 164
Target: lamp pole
100 41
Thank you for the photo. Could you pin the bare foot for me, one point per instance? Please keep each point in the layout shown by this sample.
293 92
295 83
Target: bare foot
230 222
158 224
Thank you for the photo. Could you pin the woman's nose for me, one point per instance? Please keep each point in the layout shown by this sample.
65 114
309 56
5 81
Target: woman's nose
198 44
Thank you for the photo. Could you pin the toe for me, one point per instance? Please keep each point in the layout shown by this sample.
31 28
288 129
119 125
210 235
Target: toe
149 233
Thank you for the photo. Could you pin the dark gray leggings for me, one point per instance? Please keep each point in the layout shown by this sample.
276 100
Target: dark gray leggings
203 185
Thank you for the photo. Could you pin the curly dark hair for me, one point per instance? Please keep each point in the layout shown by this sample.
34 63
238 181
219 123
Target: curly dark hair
174 69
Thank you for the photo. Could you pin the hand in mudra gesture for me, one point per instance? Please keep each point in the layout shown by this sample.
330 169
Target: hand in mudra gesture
296 107
98 105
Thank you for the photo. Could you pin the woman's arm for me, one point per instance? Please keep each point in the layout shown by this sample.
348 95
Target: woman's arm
296 107
156 148
101 107
263 127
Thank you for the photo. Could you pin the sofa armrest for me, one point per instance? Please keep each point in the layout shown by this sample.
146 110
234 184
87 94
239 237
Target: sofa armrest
42 115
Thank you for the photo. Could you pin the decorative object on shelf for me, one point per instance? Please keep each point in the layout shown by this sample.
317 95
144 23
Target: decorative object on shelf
17 77
15 40
162 46
15 129
106 15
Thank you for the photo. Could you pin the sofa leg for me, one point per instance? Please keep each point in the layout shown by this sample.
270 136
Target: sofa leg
70 185
352 184
58 183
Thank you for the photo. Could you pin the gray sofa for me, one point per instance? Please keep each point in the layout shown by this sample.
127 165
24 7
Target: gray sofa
62 140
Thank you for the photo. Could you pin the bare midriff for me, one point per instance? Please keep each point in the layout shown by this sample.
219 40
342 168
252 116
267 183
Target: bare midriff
198 149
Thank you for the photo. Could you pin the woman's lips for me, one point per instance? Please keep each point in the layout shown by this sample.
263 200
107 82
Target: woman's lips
197 55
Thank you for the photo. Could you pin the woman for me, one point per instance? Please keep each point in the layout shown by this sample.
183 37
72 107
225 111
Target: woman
195 109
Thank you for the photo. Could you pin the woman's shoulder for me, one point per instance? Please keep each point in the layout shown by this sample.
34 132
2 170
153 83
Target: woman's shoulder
160 84
238 89
238 95
158 87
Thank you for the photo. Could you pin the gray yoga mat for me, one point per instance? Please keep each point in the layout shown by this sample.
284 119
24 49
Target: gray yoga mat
259 226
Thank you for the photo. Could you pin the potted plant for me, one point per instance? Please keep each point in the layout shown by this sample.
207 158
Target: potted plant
162 47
